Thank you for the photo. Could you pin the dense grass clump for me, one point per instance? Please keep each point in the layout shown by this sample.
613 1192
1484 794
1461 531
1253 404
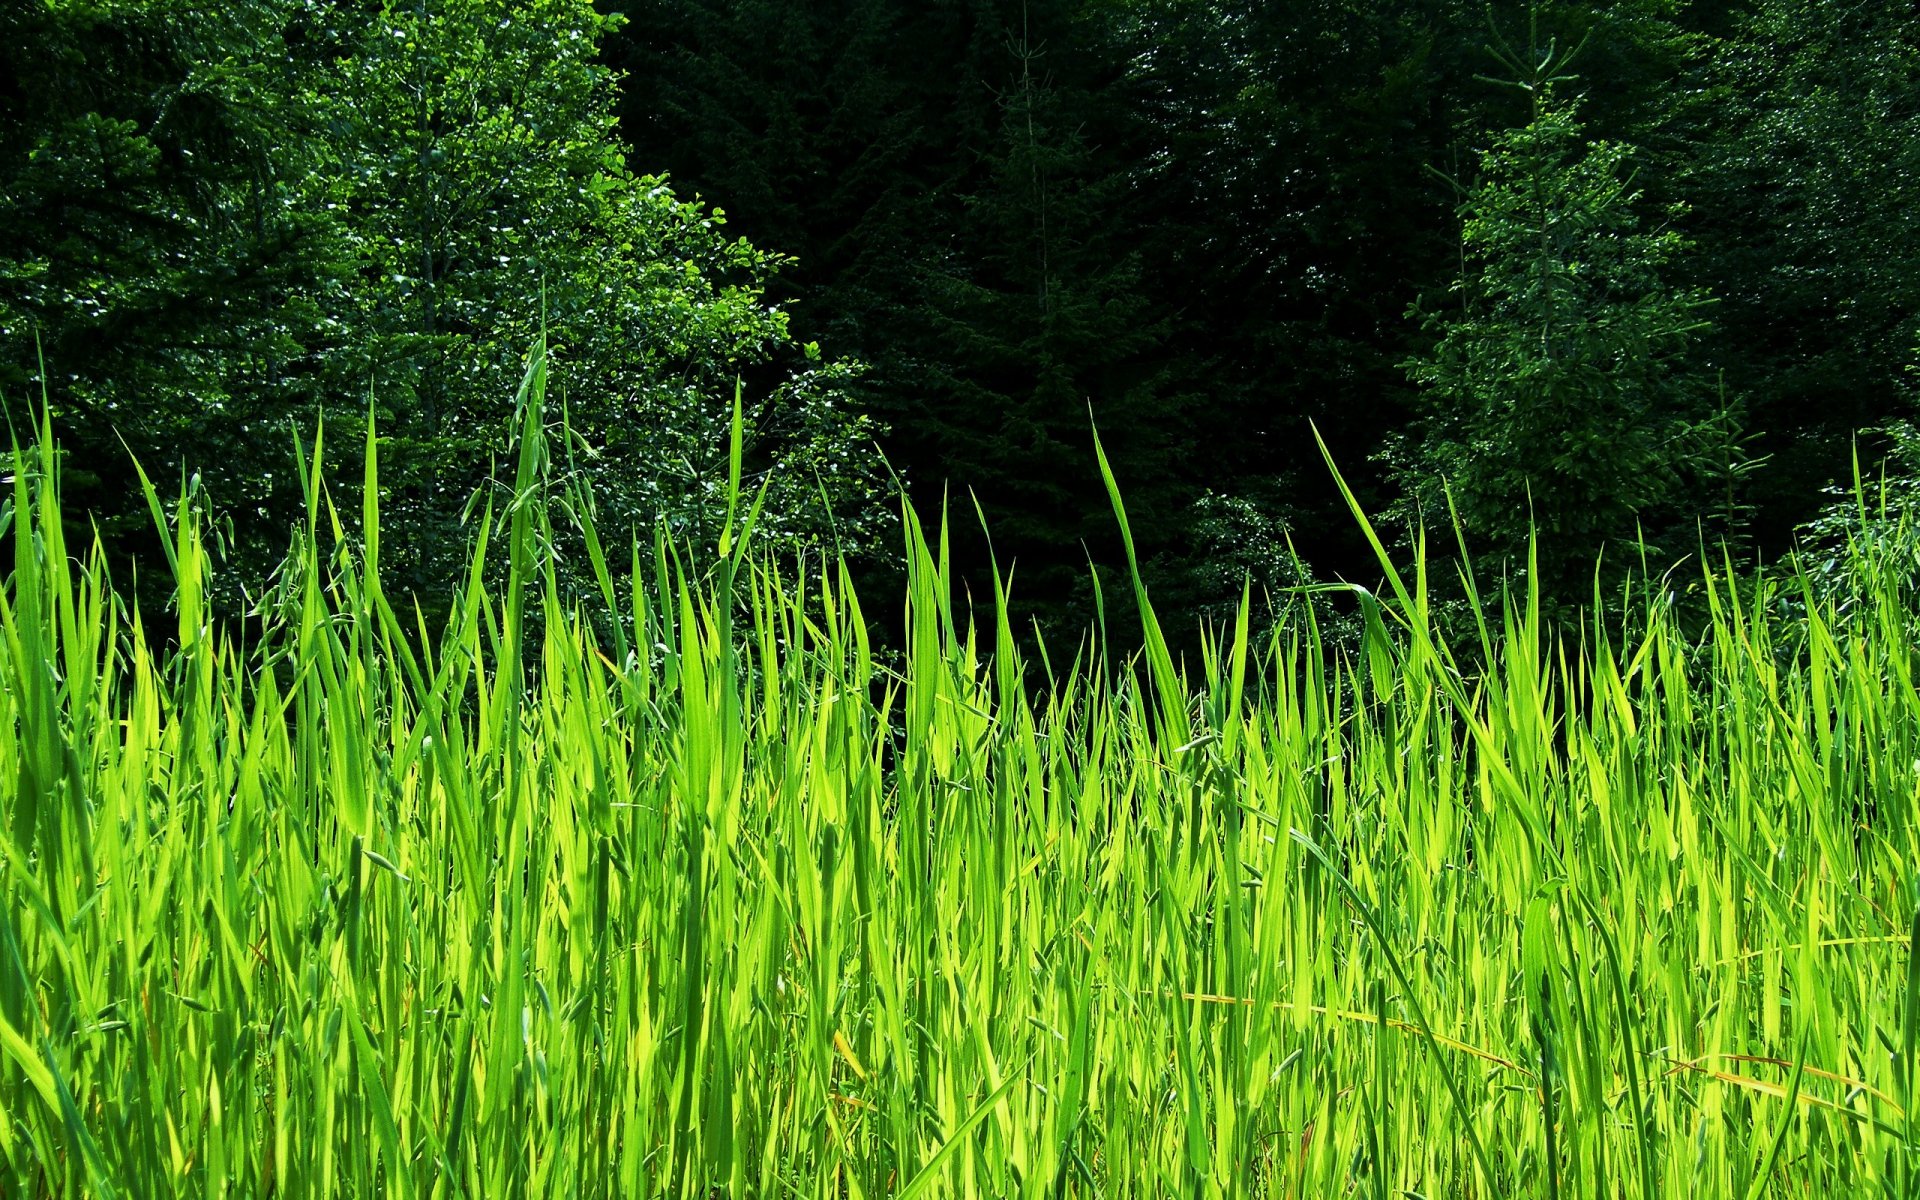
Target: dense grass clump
712 904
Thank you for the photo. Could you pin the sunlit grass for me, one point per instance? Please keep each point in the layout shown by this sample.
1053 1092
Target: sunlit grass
711 904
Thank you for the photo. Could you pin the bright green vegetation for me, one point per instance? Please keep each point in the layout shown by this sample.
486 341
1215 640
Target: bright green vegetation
715 904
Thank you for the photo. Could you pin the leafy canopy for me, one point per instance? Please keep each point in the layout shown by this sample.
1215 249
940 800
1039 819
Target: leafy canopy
275 212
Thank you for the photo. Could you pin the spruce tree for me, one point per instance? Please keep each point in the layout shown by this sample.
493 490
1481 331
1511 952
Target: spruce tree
1557 394
955 179
1807 214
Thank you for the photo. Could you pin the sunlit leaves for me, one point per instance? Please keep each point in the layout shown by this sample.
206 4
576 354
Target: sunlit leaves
286 207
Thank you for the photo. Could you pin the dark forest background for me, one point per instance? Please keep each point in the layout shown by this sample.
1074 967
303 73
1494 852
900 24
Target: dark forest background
1641 275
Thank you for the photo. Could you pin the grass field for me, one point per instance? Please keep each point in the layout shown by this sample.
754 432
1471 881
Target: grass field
716 904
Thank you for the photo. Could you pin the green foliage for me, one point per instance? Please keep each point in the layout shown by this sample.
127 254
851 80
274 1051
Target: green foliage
1202 221
154 247
1199 224
285 208
963 230
1806 187
715 906
1872 527
1243 545
1557 393
491 202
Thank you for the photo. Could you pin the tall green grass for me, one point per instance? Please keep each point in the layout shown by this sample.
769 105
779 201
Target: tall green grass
710 903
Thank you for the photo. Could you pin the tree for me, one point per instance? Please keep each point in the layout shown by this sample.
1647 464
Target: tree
1284 217
1557 395
962 230
272 212
155 255
1806 192
1043 297
472 143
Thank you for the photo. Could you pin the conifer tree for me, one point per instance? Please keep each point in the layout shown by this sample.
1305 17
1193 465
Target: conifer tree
1557 394
964 231
1807 214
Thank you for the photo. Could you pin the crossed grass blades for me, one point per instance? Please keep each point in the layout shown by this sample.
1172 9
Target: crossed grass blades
334 905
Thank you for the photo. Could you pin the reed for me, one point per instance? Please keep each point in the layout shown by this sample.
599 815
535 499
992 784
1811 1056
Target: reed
712 903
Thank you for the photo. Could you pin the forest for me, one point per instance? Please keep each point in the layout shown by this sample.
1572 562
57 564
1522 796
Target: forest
1051 598
1638 275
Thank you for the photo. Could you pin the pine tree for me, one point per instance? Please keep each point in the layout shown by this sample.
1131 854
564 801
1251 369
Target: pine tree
963 231
1807 194
1557 394
1045 319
